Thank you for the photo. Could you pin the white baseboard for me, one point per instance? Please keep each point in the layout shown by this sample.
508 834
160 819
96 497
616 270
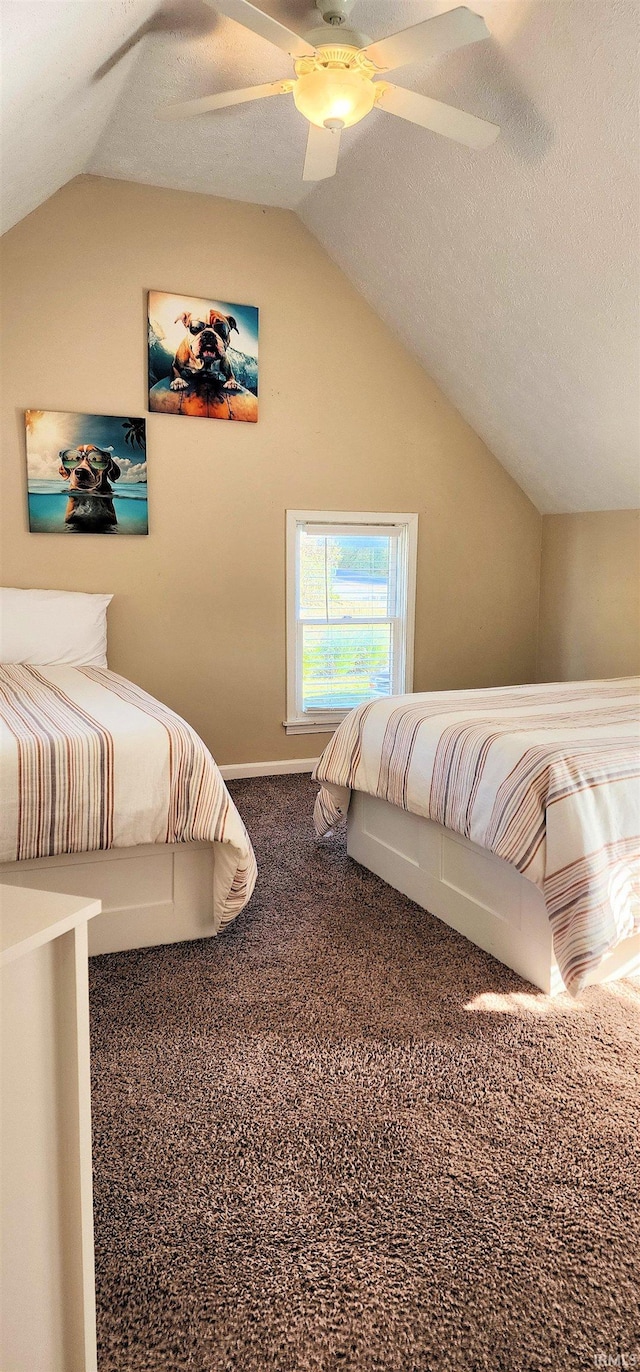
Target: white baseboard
233 771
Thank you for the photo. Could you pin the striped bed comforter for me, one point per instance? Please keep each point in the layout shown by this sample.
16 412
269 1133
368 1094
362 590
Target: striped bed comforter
547 777
89 761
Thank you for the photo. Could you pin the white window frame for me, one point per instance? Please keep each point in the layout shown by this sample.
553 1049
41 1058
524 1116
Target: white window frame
299 721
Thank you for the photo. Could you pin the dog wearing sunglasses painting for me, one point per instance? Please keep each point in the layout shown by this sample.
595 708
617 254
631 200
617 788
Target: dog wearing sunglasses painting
89 471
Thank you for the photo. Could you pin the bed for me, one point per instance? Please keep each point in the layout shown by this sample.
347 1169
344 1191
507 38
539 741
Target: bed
105 792
513 814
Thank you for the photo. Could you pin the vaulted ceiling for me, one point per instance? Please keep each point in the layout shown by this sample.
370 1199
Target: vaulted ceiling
512 274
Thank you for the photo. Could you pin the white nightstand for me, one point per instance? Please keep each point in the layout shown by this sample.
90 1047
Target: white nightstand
48 1280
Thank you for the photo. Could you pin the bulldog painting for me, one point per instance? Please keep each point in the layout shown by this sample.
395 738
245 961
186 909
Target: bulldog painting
203 357
73 464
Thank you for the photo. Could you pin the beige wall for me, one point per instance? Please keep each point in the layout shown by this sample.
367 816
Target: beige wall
348 420
590 596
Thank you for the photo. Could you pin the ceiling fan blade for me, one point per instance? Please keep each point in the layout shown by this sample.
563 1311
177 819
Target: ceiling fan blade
259 22
428 40
321 160
189 108
432 114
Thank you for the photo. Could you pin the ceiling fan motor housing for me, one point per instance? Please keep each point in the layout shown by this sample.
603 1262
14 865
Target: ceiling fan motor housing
335 11
335 14
339 45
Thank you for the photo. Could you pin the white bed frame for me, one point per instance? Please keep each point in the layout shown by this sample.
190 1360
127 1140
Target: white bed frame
163 893
470 889
156 893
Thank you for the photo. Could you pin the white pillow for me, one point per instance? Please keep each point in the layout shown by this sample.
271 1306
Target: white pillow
41 627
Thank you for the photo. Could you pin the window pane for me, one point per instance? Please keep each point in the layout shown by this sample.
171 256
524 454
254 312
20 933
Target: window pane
347 576
345 664
313 587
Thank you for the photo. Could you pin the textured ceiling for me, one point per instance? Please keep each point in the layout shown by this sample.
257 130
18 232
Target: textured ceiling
54 106
512 274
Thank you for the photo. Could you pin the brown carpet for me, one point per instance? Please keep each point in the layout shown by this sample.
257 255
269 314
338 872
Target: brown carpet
342 1137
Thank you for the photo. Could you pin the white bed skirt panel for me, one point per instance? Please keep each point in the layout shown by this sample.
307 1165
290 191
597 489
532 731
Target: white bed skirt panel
468 888
155 893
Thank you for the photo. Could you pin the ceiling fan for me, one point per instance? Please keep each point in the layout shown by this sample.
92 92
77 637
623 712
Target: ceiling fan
334 84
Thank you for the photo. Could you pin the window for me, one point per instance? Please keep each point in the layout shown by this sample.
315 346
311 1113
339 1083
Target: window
350 612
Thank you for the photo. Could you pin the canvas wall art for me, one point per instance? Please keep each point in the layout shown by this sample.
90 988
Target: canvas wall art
86 473
203 357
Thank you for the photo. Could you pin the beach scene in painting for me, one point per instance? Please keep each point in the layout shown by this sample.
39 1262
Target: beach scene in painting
86 473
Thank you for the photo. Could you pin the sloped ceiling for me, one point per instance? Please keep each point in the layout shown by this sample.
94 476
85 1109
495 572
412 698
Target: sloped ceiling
54 109
512 274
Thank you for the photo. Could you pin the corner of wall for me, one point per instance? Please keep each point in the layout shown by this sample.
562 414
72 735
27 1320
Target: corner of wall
539 609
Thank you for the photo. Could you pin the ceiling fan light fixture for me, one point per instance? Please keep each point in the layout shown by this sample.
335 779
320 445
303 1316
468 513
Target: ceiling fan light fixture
332 95
336 69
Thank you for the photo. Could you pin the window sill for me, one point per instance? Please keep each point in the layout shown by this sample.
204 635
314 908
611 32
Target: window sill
311 726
